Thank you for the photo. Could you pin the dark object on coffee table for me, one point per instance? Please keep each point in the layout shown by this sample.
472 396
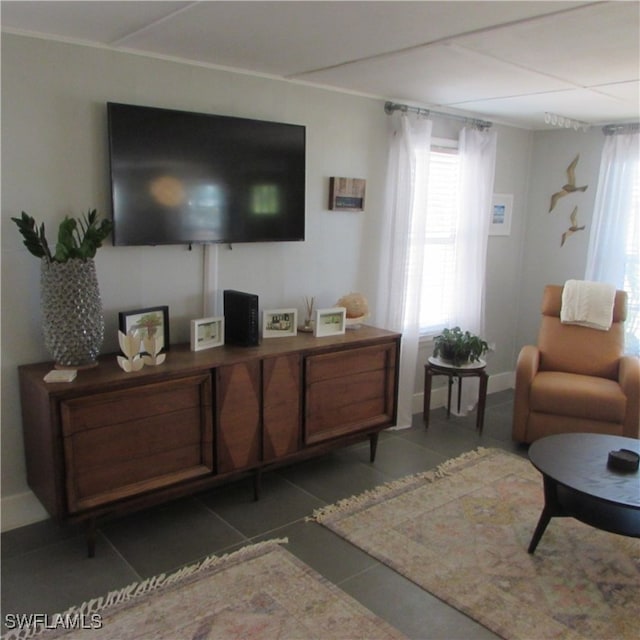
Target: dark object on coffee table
623 460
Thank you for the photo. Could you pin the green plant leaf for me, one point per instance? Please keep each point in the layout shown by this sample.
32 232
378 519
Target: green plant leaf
66 247
77 238
33 238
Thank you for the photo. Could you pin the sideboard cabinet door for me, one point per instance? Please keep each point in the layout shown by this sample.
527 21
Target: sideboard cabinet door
238 397
123 443
282 398
349 391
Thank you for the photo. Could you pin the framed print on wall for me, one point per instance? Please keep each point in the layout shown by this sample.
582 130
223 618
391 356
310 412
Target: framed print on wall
207 333
501 211
330 322
346 194
152 322
279 323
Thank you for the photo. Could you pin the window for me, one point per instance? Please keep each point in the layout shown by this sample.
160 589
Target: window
614 241
440 240
632 271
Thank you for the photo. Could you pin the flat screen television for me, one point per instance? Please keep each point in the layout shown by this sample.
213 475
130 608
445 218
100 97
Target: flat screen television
179 177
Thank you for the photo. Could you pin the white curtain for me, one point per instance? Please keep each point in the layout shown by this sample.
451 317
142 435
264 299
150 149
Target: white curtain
477 150
610 256
401 261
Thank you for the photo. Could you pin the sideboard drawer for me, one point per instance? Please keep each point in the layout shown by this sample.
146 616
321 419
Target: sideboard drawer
123 443
119 407
349 391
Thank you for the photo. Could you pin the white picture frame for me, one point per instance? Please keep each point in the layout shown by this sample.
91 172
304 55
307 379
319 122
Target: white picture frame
330 322
501 212
279 323
207 333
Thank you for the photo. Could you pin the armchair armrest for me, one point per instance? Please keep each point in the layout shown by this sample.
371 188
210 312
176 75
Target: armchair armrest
629 380
526 368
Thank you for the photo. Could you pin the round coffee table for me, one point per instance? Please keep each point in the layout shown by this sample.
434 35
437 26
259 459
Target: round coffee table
579 484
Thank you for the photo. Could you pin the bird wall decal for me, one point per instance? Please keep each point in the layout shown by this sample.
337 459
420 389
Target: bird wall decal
573 228
570 187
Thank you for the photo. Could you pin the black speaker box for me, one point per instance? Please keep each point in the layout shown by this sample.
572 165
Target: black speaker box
241 321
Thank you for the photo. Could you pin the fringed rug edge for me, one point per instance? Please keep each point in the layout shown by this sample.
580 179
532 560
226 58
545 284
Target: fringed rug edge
388 489
153 584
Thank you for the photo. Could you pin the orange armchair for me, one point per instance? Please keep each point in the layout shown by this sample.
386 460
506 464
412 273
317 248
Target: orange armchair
577 378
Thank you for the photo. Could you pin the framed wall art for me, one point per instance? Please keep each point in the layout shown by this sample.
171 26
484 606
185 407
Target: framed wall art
279 323
501 211
152 322
207 333
346 194
330 322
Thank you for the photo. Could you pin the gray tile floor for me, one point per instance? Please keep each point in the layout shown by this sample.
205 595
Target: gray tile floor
45 568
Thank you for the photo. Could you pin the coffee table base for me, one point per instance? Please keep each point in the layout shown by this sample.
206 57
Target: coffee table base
563 502
552 509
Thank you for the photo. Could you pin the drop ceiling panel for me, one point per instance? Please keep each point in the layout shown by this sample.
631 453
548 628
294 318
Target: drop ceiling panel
441 75
97 22
605 46
287 38
627 91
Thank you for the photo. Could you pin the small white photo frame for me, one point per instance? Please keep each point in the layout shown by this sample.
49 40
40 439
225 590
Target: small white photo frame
501 212
330 322
279 323
207 333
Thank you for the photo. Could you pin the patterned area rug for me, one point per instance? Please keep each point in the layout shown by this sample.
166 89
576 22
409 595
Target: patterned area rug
462 532
260 592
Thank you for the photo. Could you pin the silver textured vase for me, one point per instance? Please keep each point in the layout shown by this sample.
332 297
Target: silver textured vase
72 319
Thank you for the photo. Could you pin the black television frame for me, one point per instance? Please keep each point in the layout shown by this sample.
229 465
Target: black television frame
183 177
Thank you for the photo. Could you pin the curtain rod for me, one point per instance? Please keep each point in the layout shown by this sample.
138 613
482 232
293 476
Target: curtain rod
390 107
613 129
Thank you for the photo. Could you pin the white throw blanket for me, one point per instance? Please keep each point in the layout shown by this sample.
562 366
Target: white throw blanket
589 304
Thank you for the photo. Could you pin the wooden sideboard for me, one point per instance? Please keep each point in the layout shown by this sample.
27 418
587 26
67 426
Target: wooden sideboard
112 442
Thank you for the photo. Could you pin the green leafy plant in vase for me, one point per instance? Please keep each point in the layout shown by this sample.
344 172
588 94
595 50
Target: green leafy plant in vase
72 323
459 347
78 238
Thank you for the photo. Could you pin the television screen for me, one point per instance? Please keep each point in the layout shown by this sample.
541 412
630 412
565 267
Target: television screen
180 178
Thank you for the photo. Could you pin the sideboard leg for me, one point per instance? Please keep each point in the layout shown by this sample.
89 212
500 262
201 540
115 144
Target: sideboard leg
373 446
257 478
91 537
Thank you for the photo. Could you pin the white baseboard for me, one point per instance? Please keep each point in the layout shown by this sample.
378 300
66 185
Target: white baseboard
20 510
497 382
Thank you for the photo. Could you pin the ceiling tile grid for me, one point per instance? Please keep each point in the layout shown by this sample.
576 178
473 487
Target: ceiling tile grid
510 61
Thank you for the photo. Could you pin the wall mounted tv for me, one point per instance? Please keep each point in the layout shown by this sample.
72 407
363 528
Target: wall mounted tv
180 178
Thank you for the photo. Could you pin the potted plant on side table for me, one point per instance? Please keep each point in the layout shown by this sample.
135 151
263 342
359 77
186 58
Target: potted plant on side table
459 347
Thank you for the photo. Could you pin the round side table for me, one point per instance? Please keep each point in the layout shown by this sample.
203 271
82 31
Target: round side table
437 367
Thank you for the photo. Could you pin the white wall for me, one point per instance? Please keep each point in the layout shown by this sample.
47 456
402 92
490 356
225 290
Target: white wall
545 261
54 161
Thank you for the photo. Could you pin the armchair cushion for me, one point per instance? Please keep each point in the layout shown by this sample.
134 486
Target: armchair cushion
572 394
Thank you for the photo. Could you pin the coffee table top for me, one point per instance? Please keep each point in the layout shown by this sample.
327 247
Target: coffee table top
579 461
